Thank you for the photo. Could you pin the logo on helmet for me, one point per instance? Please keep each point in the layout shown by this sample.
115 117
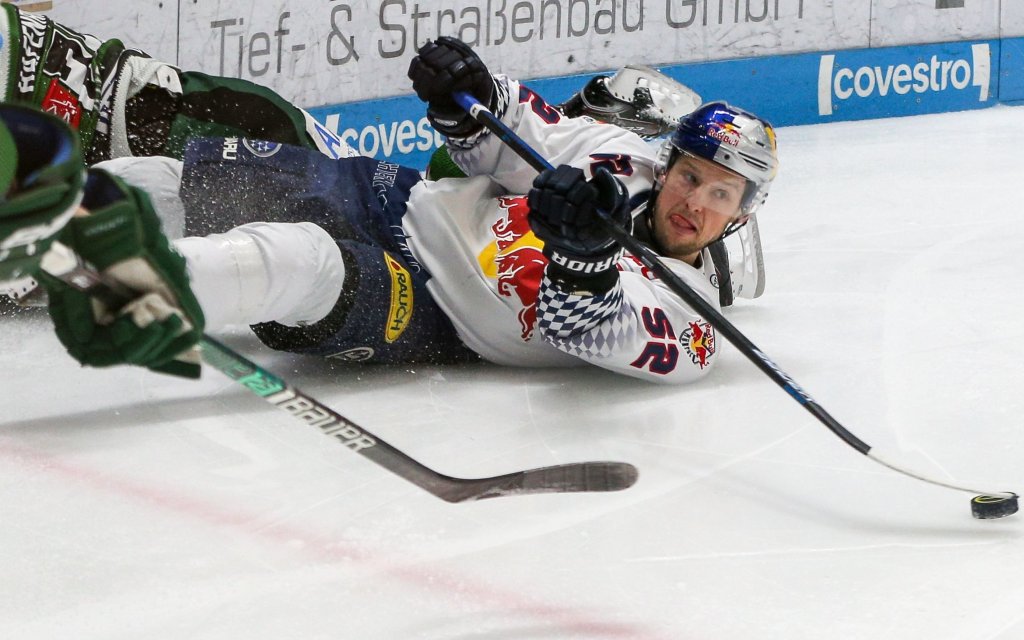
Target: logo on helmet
736 139
725 132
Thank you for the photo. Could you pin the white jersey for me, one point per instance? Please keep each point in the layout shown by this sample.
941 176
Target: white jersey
487 267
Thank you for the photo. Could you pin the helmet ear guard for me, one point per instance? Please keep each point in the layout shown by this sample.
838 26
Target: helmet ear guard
738 263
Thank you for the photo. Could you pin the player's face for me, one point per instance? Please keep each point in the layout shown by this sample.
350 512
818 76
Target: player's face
697 201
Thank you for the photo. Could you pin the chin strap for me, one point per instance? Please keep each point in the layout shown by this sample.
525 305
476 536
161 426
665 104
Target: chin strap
719 255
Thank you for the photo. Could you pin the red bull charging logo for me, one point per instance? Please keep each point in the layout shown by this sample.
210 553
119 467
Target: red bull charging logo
699 342
725 132
515 261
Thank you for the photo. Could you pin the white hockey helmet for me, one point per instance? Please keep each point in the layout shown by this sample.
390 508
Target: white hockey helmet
731 137
637 98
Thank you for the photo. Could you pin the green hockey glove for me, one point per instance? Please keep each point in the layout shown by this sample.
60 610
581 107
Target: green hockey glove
41 175
161 327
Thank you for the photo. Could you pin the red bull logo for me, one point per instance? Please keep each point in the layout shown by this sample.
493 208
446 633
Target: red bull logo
699 342
726 133
516 261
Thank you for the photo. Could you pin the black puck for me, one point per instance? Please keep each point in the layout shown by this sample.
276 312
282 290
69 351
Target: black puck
992 507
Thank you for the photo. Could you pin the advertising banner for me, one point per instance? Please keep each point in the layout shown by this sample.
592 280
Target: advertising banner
787 90
875 83
331 51
793 61
327 52
146 25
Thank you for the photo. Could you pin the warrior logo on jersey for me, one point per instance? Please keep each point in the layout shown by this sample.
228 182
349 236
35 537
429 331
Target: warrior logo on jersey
516 261
699 342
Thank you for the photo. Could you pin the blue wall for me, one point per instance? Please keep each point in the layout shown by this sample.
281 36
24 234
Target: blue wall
1011 71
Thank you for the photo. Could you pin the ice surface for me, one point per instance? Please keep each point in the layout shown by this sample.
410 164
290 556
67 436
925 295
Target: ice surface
138 506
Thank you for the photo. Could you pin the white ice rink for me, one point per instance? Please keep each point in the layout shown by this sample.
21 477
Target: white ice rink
135 506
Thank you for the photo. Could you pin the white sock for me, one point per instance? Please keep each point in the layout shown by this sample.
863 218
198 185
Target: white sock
264 271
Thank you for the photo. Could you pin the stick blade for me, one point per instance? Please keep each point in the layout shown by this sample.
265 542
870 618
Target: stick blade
578 477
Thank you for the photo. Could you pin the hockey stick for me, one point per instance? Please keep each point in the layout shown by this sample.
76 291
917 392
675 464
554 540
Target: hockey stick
698 304
62 263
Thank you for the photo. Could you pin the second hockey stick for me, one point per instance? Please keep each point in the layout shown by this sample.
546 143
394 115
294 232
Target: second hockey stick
708 312
64 264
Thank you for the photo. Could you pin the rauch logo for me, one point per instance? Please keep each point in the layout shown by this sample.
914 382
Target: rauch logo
931 75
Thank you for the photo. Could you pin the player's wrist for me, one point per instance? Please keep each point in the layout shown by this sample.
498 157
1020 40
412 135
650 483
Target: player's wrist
583 274
452 121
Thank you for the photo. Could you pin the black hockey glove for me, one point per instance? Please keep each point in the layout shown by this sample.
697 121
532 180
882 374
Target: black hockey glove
563 214
445 66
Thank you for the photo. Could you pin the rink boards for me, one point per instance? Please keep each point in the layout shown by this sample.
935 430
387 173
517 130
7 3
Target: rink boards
792 61
787 90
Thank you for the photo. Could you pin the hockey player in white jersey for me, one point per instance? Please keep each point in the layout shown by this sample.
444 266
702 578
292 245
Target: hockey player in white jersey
710 177
362 260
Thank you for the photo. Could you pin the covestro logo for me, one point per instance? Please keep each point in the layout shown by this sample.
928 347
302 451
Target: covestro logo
386 140
936 74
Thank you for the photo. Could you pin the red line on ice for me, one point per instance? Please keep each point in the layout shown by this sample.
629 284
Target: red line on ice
325 547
